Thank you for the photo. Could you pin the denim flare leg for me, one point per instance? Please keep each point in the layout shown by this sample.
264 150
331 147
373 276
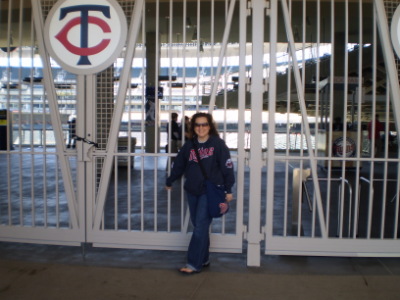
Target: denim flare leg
198 252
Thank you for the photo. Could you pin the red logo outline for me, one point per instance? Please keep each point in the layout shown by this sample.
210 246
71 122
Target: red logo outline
62 37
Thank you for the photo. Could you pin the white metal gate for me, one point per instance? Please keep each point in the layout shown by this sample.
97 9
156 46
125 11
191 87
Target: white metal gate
38 191
130 206
340 194
317 190
94 142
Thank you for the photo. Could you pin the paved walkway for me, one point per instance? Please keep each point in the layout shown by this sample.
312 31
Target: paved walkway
61 272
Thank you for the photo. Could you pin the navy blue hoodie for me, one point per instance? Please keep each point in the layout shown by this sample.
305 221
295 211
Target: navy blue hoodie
216 160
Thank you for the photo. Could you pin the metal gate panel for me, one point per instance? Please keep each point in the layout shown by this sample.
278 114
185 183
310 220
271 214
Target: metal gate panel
339 194
130 206
38 201
320 191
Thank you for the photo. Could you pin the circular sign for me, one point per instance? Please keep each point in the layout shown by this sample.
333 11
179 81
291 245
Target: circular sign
85 38
395 31
340 148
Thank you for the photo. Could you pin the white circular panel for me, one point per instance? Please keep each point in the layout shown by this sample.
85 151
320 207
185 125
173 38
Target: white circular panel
85 37
395 31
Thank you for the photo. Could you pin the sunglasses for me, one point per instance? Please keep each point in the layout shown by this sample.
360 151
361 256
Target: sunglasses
201 124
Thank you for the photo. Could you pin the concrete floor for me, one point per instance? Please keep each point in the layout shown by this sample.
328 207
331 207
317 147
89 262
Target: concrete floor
31 271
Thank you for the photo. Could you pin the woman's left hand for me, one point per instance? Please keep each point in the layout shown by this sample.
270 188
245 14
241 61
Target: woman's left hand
229 197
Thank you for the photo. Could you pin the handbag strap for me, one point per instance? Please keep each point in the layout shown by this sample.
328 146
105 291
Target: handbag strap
196 151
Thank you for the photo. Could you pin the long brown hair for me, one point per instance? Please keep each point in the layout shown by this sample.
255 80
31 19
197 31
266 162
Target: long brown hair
210 121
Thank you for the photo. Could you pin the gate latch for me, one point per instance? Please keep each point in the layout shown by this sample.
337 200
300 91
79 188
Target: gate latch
78 138
84 154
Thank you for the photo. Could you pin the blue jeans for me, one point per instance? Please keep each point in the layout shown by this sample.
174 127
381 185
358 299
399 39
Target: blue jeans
198 252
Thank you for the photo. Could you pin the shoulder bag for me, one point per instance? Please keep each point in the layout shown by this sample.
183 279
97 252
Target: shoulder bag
217 205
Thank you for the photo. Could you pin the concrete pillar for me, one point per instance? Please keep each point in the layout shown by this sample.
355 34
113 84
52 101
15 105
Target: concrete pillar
152 105
339 72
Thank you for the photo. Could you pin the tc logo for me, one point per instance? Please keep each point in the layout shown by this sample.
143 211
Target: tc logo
85 38
342 147
84 51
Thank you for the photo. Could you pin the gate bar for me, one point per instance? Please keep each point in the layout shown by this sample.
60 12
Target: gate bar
241 118
271 129
254 235
300 92
227 30
120 103
55 114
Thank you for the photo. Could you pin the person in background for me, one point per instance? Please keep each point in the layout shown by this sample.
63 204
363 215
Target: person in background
71 132
186 128
338 125
175 135
378 127
174 138
216 159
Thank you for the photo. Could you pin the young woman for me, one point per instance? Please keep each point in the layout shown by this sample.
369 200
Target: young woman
216 160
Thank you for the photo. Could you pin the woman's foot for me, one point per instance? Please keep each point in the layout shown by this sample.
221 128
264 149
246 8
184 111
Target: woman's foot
187 271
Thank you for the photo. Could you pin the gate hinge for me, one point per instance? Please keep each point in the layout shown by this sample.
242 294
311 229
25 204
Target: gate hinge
266 84
264 156
247 156
267 8
250 7
248 84
263 232
246 233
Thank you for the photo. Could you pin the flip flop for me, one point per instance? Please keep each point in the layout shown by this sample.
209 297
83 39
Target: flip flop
187 271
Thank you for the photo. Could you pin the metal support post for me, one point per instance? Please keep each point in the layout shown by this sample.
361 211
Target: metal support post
254 236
